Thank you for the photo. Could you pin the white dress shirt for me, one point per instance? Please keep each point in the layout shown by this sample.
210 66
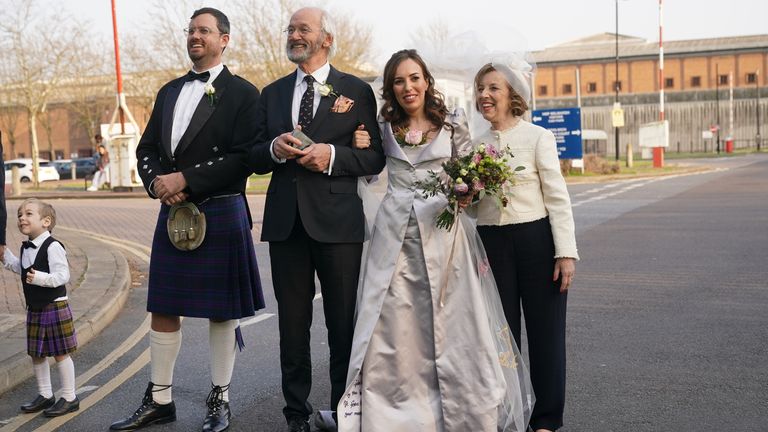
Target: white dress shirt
320 76
57 263
186 104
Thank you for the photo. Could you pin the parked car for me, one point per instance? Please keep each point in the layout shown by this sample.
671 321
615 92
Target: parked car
83 167
47 170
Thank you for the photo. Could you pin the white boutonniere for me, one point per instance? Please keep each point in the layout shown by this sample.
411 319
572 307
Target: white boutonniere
210 91
326 90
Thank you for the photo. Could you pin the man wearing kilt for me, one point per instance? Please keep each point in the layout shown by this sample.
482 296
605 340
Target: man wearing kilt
194 150
50 331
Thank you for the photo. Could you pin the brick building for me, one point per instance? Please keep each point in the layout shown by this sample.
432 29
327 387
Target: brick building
693 71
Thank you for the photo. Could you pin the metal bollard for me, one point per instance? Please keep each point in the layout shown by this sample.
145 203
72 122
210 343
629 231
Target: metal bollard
15 181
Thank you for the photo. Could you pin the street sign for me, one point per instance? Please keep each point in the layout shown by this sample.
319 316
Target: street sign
654 134
565 123
617 117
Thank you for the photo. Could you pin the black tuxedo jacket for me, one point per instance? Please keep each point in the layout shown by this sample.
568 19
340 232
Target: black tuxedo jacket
213 152
329 206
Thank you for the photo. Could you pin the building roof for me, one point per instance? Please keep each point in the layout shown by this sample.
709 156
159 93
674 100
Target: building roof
603 47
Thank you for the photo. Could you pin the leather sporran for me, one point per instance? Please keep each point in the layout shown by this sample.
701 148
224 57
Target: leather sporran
186 226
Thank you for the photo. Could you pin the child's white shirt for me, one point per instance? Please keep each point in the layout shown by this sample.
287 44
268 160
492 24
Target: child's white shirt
57 263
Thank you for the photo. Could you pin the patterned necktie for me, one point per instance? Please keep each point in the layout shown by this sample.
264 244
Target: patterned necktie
307 103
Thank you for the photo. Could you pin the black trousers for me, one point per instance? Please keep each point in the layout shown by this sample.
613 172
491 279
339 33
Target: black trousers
294 264
522 260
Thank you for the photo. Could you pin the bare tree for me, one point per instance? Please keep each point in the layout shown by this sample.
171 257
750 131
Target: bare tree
9 119
140 82
144 71
39 41
89 93
256 51
354 46
258 40
47 122
433 37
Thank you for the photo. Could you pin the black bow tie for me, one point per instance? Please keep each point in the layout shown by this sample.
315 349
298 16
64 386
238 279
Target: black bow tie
191 76
28 244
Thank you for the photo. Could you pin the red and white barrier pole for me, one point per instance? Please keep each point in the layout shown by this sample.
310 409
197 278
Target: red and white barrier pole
658 152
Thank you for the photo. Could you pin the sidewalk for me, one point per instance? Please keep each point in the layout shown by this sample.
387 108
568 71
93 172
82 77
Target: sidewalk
98 287
51 194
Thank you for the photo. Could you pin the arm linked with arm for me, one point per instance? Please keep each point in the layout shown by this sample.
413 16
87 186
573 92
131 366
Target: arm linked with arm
351 161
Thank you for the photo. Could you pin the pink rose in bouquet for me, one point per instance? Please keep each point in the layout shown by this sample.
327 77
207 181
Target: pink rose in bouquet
414 137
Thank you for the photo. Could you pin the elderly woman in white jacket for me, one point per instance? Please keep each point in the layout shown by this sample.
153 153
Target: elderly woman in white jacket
530 243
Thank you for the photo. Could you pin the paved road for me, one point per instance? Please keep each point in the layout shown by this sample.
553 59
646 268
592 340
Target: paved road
667 324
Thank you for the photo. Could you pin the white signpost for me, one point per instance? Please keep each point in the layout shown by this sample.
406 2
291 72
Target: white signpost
654 134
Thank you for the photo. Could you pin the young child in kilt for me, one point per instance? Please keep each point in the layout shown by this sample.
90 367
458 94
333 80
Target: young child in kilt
50 331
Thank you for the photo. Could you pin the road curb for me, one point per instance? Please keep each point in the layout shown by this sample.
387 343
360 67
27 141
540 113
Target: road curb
90 319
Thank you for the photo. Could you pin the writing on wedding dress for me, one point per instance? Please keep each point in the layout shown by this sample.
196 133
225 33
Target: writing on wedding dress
507 357
352 401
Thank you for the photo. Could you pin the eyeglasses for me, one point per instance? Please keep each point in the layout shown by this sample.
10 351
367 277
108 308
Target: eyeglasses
303 31
204 31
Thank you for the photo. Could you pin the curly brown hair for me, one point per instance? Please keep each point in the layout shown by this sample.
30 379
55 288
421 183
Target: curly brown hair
434 105
517 104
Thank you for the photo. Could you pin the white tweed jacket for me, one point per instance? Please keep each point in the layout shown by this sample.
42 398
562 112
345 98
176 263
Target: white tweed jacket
539 189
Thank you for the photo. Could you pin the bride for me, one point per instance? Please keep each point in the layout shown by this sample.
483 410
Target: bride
431 350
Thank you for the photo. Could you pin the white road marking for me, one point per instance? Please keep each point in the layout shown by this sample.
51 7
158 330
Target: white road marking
256 319
627 185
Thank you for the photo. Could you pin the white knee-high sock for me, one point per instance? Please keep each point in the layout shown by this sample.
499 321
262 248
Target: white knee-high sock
67 376
163 349
43 376
221 337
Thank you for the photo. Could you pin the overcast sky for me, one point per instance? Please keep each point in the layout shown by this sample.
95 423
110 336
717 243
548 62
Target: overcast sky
541 23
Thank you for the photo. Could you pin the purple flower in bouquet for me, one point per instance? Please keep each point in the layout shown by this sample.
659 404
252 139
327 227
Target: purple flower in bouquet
461 188
491 151
477 185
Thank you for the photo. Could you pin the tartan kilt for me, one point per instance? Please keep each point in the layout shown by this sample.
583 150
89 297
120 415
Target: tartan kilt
218 280
50 330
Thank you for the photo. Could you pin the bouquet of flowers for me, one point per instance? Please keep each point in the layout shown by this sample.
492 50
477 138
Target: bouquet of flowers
483 171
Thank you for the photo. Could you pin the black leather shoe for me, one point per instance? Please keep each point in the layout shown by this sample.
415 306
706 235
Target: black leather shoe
149 413
40 403
218 416
298 424
62 407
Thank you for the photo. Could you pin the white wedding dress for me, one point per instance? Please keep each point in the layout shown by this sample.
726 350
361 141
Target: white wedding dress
431 350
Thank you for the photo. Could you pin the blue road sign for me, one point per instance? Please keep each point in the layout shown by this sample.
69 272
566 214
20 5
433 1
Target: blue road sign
565 123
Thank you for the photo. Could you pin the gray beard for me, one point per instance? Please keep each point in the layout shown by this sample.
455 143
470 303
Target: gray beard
297 58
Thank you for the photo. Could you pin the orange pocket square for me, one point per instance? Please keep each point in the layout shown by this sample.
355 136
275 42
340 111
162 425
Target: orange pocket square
342 104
